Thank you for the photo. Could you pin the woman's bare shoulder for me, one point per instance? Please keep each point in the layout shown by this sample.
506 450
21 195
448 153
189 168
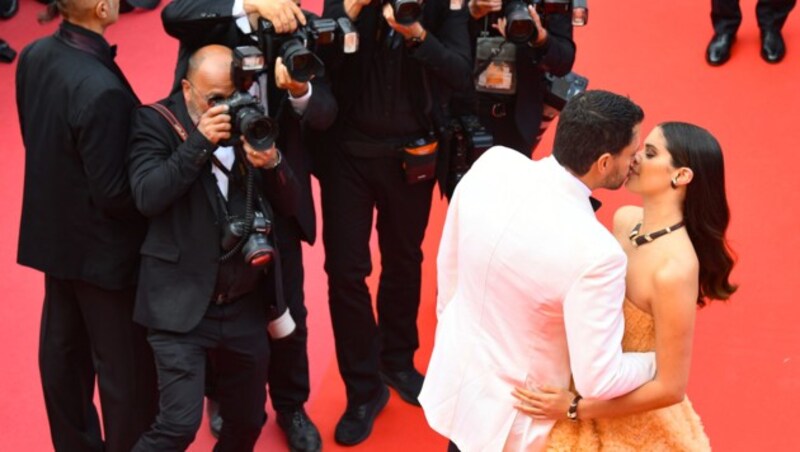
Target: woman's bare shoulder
625 218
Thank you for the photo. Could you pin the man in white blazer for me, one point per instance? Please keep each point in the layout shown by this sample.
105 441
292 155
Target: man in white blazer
531 285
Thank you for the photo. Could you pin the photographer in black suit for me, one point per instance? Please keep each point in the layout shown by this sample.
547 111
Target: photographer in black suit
200 291
726 16
510 88
382 156
80 227
300 108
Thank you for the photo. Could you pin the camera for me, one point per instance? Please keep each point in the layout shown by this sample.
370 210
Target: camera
252 238
295 48
557 92
406 12
520 27
469 140
248 118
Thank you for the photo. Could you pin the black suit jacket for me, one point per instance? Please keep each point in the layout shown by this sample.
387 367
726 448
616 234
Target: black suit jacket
173 186
78 218
444 55
197 23
555 57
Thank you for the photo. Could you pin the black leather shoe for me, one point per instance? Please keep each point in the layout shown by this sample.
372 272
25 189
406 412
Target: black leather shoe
719 49
407 383
8 8
772 46
356 423
301 434
214 419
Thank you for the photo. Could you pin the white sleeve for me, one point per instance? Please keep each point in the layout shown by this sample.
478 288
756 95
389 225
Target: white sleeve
447 257
299 104
241 17
595 324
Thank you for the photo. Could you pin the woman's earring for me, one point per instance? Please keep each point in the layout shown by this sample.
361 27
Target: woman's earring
674 182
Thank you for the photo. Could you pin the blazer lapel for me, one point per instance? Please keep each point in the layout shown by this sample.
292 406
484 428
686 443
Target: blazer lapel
207 180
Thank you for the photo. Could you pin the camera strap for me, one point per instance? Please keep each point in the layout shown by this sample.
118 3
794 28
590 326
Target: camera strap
171 119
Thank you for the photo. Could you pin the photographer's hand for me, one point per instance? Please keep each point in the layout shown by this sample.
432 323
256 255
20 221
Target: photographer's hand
542 35
262 159
353 7
284 14
480 8
284 80
215 124
414 30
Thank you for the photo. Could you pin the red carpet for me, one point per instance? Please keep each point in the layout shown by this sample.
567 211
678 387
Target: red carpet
745 380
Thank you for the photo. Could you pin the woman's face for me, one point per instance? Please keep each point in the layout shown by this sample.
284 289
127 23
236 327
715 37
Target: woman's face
652 168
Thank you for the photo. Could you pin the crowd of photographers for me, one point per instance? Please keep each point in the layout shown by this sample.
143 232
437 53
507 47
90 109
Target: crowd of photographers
187 215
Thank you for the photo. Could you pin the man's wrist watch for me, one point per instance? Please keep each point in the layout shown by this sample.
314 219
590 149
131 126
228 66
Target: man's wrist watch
416 41
277 161
572 411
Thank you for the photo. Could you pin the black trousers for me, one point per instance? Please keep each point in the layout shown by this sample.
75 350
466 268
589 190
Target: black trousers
499 119
88 332
727 16
236 336
352 189
289 385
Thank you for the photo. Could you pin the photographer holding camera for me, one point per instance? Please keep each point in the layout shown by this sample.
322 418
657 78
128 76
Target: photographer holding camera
207 177
518 42
382 156
299 102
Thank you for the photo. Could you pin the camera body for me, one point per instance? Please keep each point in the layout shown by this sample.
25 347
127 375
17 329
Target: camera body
252 237
557 92
297 49
406 12
249 120
469 140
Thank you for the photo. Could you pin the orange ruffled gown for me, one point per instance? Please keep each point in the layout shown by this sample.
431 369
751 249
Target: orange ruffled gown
674 428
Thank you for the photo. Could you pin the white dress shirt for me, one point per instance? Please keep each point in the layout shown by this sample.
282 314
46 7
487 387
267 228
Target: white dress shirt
531 287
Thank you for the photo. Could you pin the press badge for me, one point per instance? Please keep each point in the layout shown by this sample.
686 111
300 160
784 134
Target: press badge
495 63
456 5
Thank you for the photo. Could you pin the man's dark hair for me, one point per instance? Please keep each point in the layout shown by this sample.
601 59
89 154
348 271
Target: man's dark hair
592 124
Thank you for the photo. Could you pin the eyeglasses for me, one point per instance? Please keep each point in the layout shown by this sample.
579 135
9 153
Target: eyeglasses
210 99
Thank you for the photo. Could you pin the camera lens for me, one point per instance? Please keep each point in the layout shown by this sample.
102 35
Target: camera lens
259 130
258 251
406 12
301 63
520 27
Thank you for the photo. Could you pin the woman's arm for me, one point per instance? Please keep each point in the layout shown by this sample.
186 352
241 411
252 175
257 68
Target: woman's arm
674 309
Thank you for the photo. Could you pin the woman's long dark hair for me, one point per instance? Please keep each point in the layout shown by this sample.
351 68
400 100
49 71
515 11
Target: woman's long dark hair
705 209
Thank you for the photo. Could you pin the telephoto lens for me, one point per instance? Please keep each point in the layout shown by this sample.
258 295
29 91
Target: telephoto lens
520 27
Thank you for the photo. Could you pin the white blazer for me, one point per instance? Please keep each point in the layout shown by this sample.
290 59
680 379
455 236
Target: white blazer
531 287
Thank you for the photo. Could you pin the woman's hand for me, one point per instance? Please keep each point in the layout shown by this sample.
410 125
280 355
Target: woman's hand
547 403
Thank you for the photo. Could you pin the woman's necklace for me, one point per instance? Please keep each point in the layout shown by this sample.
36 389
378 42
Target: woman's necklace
638 240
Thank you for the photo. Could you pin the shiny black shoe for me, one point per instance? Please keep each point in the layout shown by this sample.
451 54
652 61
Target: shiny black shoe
356 424
8 8
214 418
301 434
772 46
407 383
719 49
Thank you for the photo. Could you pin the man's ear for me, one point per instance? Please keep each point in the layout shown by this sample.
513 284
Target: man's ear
102 9
604 164
187 90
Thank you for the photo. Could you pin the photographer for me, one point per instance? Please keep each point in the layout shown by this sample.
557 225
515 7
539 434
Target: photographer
510 88
382 155
205 260
299 108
